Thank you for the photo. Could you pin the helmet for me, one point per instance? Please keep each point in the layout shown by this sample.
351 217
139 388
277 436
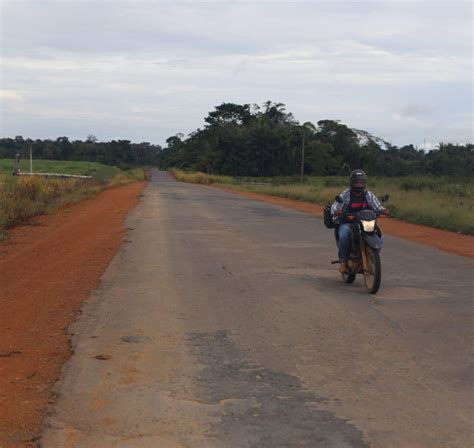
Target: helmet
358 180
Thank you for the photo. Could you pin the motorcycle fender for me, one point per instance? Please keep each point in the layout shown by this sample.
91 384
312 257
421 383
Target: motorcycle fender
373 241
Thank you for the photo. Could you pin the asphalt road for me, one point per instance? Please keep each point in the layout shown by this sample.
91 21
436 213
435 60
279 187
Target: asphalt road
221 323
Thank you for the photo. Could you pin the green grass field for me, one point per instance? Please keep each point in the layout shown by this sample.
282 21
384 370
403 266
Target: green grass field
443 202
97 170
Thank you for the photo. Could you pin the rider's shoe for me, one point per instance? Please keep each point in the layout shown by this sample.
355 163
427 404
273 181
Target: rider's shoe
342 266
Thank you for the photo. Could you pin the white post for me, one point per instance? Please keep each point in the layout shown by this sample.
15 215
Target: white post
31 158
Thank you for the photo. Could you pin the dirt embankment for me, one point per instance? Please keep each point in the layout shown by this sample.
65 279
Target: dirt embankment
441 239
46 271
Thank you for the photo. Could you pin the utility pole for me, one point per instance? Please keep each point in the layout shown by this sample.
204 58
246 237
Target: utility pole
302 159
17 164
31 157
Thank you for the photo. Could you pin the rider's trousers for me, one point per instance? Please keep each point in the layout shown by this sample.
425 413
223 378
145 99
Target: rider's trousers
345 237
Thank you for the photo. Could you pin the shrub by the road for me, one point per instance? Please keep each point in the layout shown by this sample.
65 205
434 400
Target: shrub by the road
25 197
21 198
200 178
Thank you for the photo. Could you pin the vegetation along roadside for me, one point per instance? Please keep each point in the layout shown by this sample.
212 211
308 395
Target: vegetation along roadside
21 198
442 202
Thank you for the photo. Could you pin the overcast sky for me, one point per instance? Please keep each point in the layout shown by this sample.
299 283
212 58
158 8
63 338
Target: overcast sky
146 70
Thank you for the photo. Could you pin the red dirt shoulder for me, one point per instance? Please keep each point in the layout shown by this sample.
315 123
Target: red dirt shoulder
47 270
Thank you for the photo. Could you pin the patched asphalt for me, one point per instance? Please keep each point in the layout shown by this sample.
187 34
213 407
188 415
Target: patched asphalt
269 408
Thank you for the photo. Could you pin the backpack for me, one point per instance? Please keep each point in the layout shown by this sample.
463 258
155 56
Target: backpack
327 217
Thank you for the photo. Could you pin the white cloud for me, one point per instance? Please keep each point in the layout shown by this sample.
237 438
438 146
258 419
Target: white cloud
157 68
10 95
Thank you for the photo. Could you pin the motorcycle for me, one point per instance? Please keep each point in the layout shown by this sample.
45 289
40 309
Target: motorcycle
367 242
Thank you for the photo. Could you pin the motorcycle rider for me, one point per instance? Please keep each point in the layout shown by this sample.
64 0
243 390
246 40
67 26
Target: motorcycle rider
354 199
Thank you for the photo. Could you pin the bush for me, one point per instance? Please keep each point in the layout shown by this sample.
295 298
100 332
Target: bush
200 178
341 182
452 186
21 198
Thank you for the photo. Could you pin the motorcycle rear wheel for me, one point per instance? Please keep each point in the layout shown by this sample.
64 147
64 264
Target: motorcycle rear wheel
373 277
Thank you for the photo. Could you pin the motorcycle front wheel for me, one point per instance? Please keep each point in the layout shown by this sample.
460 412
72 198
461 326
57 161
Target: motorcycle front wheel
348 277
373 274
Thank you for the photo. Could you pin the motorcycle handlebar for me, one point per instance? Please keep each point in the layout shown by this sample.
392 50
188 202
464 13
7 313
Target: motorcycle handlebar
352 217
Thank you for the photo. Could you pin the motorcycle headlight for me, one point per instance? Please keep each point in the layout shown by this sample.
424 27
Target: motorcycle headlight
369 226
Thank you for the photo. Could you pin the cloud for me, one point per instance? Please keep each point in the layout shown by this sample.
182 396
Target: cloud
427 146
10 95
412 110
151 69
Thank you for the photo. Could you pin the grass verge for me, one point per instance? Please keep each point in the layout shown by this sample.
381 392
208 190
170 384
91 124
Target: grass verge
21 198
444 203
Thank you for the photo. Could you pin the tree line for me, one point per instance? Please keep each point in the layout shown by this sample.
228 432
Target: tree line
245 140
121 153
252 140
